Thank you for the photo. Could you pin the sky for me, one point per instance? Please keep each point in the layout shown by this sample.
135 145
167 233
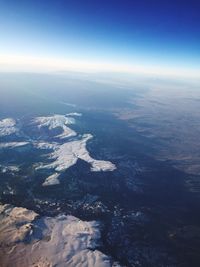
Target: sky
147 36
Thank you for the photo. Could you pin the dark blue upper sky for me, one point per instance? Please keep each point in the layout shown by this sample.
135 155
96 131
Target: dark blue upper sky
157 32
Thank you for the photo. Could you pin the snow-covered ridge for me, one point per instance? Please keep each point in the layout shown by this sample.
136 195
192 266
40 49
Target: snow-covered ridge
74 114
63 153
29 240
7 126
13 144
57 121
45 145
67 154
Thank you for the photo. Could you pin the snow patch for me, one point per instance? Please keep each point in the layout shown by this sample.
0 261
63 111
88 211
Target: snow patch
57 121
74 114
7 126
52 180
9 168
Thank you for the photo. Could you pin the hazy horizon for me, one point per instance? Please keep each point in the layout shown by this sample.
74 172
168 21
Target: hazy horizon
145 37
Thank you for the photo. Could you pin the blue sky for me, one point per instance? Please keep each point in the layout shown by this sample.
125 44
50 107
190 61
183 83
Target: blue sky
164 34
